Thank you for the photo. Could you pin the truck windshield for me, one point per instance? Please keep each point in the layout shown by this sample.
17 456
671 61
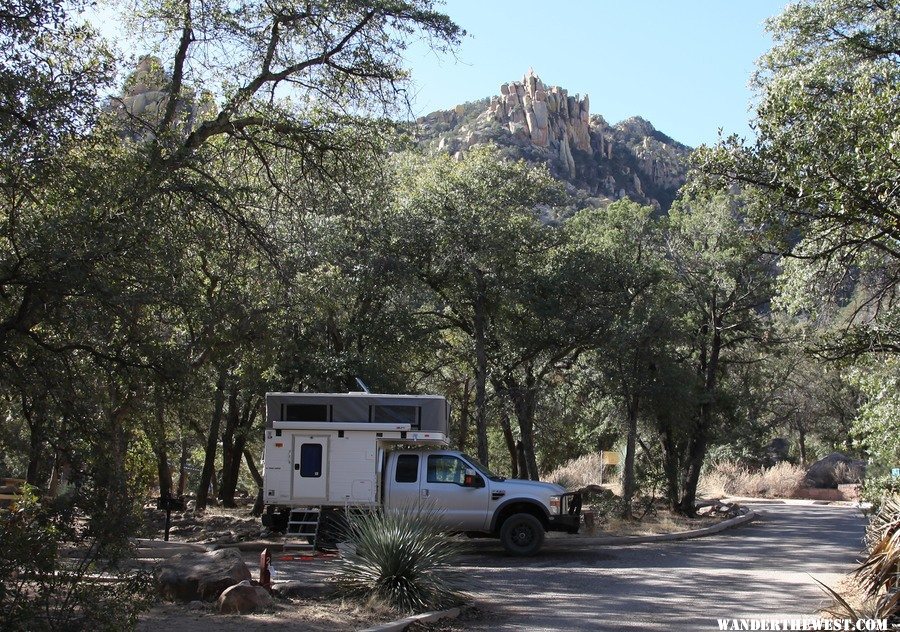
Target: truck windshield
481 468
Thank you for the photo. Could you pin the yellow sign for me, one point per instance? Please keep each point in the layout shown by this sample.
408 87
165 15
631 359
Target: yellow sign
609 458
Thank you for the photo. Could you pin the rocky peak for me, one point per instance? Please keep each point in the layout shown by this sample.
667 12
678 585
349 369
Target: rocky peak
145 97
542 123
548 117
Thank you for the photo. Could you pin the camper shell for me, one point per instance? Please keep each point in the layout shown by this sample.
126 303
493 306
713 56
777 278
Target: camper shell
327 455
327 449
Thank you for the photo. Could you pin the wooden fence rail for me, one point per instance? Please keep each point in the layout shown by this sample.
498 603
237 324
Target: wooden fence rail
10 491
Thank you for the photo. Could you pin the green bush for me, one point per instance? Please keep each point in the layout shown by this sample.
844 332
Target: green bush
876 489
401 558
52 575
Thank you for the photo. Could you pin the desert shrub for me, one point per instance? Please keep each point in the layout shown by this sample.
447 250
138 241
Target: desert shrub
730 478
49 567
401 558
880 572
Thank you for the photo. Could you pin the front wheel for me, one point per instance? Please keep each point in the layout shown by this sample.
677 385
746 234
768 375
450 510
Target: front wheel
522 534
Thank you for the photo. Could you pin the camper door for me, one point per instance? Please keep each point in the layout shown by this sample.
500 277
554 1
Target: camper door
310 467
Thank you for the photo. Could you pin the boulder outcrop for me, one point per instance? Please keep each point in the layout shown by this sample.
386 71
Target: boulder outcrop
835 469
193 576
243 598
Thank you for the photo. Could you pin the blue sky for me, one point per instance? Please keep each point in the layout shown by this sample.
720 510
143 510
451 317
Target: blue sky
684 65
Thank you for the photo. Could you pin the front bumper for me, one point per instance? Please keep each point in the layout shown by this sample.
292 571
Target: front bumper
569 517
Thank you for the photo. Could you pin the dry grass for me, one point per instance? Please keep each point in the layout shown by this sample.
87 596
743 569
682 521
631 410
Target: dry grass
849 600
873 590
581 472
728 478
663 521
880 572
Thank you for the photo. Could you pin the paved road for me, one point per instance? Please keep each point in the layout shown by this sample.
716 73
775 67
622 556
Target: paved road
759 570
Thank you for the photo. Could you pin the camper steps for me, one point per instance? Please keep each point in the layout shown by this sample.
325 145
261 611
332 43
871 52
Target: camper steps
302 528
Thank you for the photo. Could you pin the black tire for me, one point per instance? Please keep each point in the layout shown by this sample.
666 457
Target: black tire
276 521
332 529
522 534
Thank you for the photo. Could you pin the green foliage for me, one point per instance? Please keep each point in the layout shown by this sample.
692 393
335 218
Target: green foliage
178 244
401 558
48 566
878 487
825 162
877 425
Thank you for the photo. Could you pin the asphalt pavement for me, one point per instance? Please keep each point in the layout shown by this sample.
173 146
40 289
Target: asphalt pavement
761 570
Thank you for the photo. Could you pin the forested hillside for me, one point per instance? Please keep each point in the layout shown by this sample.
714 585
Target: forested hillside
248 212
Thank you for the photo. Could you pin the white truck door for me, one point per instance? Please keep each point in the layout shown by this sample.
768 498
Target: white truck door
463 506
403 481
310 468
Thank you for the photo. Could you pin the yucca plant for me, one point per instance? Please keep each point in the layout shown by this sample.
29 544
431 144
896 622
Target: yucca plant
881 569
401 558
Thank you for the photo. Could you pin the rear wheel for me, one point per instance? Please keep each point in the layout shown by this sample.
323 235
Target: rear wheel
522 534
332 528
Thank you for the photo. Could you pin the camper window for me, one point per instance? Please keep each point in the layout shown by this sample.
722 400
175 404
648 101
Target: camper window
311 460
305 412
396 415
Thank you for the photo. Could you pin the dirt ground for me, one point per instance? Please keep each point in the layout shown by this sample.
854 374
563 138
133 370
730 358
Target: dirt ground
330 615
224 527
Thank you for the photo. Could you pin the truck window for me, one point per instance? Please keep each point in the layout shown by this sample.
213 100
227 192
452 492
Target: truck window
407 468
305 412
443 468
311 460
396 415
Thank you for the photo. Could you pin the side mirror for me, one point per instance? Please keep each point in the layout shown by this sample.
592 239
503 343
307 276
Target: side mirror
472 479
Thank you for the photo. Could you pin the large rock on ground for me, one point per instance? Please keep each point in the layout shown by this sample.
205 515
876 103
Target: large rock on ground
835 469
190 576
243 598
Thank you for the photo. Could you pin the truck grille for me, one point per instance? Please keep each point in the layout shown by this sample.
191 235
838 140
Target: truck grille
570 504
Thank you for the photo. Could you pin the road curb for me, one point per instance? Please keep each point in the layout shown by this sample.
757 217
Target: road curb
731 523
425 617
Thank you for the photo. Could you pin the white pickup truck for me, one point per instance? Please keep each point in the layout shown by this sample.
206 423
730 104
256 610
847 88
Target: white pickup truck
389 451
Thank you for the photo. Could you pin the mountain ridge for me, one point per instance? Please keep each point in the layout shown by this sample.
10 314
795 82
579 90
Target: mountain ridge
543 124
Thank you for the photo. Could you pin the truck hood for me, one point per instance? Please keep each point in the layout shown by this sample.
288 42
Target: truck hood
535 487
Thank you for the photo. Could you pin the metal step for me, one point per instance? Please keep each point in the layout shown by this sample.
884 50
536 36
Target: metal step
302 528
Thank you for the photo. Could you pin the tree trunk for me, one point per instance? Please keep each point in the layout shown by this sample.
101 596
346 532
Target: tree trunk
523 399
35 455
258 479
212 440
481 369
182 468
463 434
670 464
697 444
231 470
158 444
801 440
521 460
628 482
510 443
229 453
113 478
693 465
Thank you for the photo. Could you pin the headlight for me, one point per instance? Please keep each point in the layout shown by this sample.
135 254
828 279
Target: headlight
555 503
